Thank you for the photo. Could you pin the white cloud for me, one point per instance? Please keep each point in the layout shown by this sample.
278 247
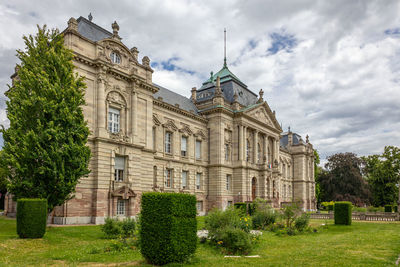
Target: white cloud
339 83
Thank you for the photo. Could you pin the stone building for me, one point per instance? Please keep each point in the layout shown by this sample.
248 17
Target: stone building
224 144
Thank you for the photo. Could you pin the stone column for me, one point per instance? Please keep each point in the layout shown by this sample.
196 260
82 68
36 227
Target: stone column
134 116
101 104
255 150
244 143
240 143
265 149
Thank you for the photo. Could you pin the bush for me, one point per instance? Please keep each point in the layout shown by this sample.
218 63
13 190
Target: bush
113 228
168 227
395 208
359 209
31 217
251 208
343 212
234 240
388 208
263 218
327 205
218 219
374 209
289 214
242 207
301 222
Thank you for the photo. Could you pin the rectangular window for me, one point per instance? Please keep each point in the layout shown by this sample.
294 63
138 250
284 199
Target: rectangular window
119 168
168 142
199 205
198 181
121 208
184 146
228 182
198 149
154 138
184 179
227 152
168 176
113 120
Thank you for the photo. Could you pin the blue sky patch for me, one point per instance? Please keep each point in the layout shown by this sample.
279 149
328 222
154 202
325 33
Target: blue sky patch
169 65
393 32
281 42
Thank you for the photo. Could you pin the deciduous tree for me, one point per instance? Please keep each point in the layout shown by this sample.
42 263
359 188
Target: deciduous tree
45 145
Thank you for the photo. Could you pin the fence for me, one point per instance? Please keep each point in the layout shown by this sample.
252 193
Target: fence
362 216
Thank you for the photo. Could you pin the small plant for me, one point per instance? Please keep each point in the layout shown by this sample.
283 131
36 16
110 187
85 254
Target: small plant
113 228
301 222
234 240
289 214
263 218
241 207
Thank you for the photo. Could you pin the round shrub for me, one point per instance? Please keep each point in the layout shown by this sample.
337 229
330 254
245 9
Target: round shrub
263 218
388 208
301 222
234 240
31 217
168 227
342 212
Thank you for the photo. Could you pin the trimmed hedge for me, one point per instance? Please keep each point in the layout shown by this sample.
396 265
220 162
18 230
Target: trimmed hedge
330 207
251 208
31 217
242 207
388 208
342 212
395 208
168 231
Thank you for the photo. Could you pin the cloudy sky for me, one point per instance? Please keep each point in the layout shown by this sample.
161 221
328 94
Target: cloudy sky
330 69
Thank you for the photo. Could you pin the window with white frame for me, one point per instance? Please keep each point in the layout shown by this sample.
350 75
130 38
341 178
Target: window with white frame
168 142
168 178
113 120
184 141
115 57
184 179
199 205
198 149
198 181
119 168
227 152
228 182
121 207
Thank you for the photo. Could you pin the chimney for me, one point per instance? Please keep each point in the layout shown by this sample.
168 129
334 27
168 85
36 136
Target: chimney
194 95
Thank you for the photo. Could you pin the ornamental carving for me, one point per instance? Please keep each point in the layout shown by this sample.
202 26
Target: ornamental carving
186 129
170 125
119 137
116 98
125 192
156 120
200 134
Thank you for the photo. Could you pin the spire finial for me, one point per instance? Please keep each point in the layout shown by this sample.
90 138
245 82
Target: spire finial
224 47
90 17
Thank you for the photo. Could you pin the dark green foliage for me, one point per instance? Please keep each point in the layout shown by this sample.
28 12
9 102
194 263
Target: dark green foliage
45 145
330 207
388 208
234 240
395 208
301 222
31 217
263 216
113 228
242 207
343 211
251 207
383 175
343 181
168 230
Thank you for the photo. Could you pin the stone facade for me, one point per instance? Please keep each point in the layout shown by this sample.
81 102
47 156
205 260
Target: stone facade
223 145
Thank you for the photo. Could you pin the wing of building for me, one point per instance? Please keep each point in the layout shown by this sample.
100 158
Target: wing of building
224 144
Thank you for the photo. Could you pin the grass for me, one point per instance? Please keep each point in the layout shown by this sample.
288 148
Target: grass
362 244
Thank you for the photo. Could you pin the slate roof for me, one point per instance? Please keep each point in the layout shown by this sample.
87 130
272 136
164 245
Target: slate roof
173 98
92 31
230 85
285 139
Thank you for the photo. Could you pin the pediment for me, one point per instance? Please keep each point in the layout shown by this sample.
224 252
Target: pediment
107 46
186 129
264 114
125 192
170 125
200 134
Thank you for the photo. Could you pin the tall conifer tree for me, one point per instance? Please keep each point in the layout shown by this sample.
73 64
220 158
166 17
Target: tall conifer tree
45 145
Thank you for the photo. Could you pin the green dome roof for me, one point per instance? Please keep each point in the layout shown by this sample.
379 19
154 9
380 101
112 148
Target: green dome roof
225 75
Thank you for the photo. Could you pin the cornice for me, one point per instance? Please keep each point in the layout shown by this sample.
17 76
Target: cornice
162 104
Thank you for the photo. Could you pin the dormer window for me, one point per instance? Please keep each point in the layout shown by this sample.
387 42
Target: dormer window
115 58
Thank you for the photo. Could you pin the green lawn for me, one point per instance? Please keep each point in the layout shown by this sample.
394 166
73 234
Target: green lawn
362 244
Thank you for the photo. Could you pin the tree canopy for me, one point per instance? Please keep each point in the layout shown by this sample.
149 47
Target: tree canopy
383 176
343 181
45 145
